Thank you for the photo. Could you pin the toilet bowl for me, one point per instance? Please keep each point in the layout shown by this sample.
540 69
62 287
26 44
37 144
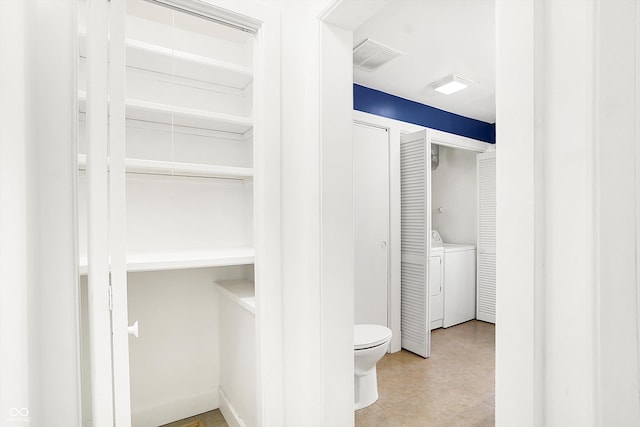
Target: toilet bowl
370 344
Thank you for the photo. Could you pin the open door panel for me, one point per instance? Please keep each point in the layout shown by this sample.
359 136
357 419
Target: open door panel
415 208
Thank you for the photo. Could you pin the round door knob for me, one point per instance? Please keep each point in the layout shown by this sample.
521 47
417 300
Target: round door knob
133 329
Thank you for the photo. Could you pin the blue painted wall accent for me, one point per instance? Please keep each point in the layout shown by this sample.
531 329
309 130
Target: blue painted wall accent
393 107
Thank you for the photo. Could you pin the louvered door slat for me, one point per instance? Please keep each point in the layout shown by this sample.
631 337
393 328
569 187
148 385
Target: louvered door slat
486 289
415 220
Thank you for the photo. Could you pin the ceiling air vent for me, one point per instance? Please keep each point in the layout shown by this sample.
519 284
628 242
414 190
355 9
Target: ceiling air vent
370 55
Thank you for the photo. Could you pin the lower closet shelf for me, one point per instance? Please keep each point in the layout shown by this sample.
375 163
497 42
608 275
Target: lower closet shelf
154 261
241 291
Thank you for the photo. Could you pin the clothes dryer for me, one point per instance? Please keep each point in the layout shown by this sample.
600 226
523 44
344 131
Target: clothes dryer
457 276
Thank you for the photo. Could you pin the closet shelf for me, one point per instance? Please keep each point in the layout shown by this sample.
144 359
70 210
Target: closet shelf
180 116
162 59
178 260
240 291
160 167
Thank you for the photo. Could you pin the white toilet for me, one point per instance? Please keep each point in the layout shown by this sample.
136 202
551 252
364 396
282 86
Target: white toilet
370 344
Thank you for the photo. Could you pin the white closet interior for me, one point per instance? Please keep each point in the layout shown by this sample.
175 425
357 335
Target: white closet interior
454 196
189 214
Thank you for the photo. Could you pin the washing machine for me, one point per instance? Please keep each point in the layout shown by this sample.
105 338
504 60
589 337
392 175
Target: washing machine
436 287
458 296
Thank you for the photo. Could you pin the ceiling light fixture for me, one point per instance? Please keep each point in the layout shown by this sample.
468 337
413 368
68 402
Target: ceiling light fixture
450 84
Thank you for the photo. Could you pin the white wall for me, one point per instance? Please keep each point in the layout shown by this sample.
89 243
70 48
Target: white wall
39 344
616 160
567 301
454 188
337 226
175 371
174 363
317 219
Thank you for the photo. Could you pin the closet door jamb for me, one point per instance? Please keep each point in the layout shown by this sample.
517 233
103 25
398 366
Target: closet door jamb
117 215
98 213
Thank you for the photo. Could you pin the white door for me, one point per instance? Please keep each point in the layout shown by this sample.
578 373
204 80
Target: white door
371 223
415 217
486 284
105 205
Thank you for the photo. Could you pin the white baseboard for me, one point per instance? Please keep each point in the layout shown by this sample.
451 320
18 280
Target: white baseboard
229 412
175 409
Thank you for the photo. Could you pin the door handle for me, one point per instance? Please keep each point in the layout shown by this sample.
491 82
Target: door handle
133 329
383 244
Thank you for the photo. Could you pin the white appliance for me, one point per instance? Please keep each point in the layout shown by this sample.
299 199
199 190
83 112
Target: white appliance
436 287
453 270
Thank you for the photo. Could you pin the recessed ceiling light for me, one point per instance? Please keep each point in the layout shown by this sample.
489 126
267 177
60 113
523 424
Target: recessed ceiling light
450 84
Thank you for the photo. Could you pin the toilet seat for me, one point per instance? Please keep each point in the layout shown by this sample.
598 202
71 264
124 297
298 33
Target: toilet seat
367 336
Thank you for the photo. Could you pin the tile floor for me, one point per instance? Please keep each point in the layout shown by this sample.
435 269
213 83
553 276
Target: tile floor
454 387
208 419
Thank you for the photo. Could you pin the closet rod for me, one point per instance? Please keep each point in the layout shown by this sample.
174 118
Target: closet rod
206 11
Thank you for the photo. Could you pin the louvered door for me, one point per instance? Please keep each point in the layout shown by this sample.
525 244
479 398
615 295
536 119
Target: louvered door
415 191
486 289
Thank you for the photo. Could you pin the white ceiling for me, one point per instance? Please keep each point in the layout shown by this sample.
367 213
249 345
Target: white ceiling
438 38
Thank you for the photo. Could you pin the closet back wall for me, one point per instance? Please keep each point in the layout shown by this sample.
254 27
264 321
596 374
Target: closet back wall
453 186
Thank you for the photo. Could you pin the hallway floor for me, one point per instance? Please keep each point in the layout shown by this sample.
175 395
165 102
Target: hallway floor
454 387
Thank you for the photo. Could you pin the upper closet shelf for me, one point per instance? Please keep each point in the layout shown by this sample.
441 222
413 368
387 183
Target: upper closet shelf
161 167
162 59
180 116
178 260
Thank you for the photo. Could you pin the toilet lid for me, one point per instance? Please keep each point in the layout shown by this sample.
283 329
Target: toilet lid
366 336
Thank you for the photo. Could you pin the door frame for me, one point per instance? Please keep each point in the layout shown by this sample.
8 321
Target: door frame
267 225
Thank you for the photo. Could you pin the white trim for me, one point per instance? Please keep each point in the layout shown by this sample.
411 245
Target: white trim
118 216
336 232
98 214
267 208
593 217
438 137
462 142
229 412
637 184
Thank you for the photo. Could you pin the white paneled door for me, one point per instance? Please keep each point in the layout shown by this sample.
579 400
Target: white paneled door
371 223
486 290
415 208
